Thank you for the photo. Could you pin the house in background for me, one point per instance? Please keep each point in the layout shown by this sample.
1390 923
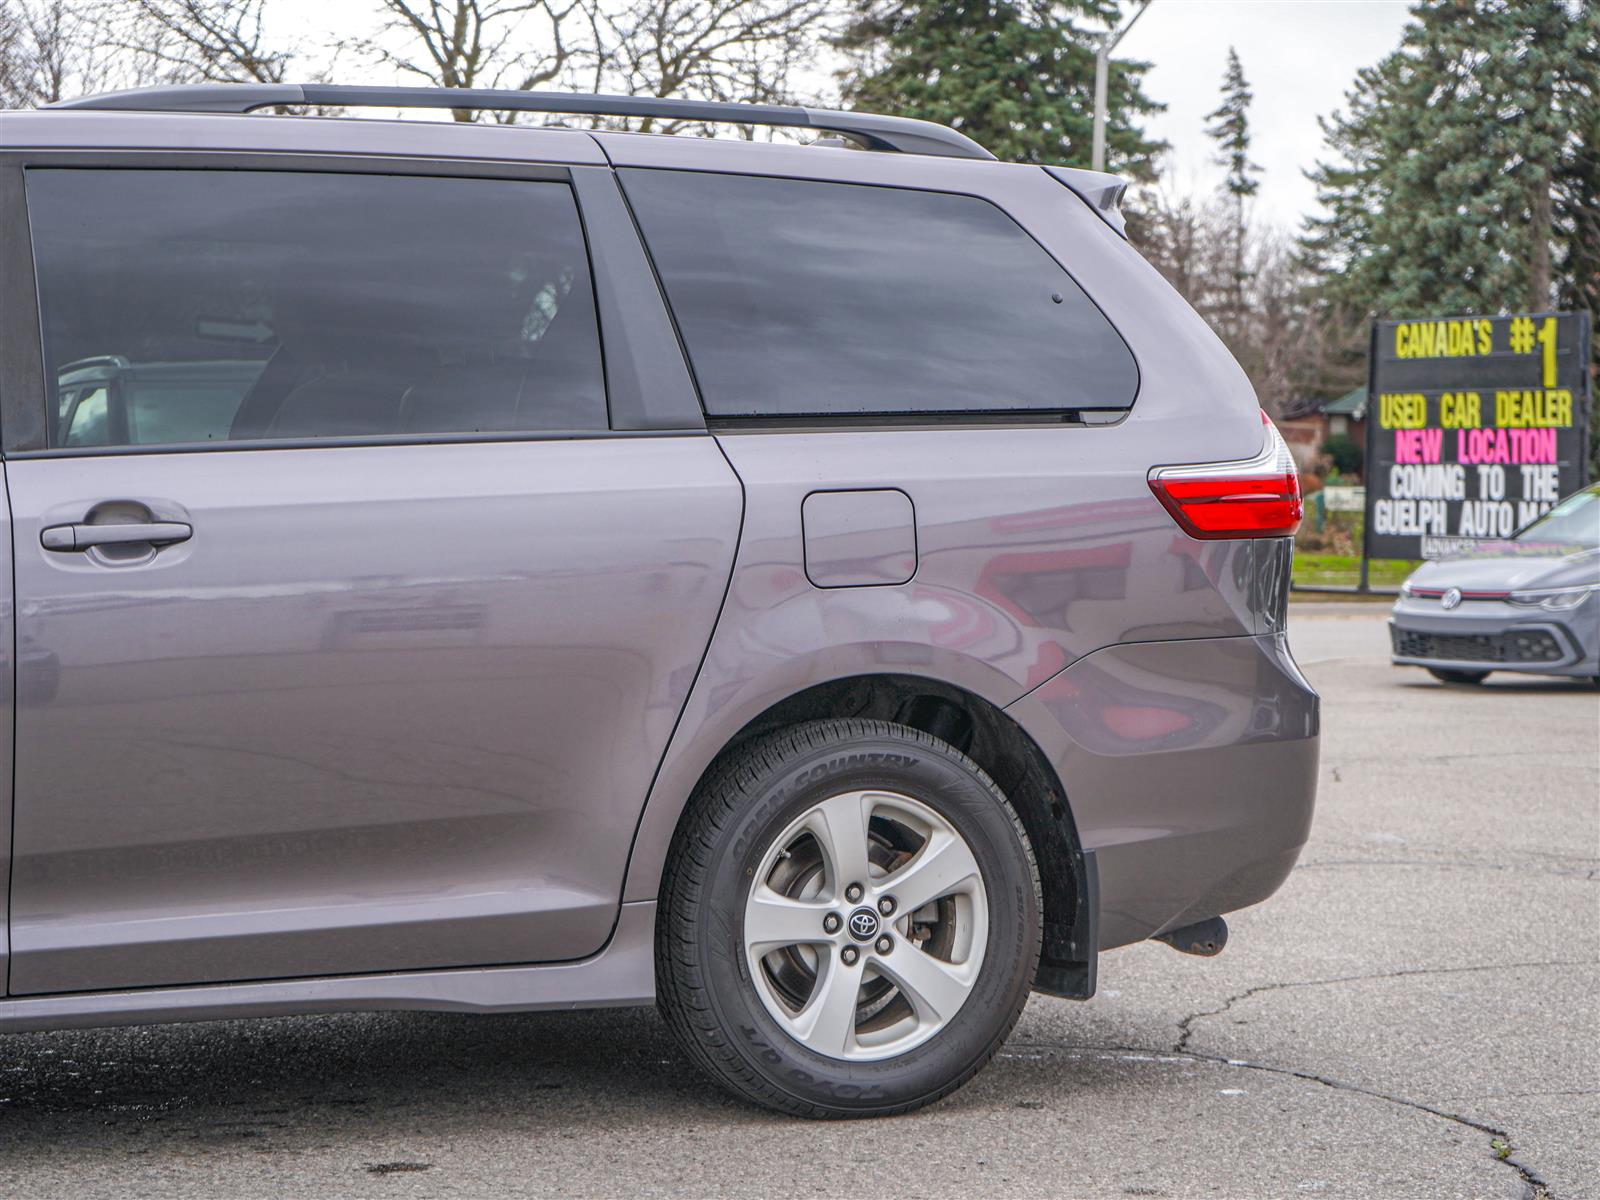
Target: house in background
1309 424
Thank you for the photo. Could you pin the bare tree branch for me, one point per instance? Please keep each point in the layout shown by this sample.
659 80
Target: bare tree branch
515 44
701 49
52 50
1288 344
709 49
216 41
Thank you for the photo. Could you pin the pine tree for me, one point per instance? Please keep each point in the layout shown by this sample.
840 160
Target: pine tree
1230 127
1017 75
1462 177
1576 215
1453 181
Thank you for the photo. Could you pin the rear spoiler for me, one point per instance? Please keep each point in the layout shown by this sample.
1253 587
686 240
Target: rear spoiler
1100 191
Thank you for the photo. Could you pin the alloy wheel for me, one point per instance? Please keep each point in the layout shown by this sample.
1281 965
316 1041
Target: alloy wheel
866 925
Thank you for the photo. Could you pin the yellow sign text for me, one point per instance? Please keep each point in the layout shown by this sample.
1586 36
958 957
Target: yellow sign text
1402 410
1533 408
1443 339
1461 410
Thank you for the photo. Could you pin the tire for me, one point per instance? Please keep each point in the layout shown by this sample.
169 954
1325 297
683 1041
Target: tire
1444 675
737 1009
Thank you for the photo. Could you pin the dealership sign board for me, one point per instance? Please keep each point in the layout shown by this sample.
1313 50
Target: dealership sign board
1475 426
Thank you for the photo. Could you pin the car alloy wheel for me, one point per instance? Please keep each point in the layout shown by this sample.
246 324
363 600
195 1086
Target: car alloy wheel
866 925
850 919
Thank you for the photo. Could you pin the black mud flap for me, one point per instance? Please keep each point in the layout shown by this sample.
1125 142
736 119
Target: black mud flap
1068 966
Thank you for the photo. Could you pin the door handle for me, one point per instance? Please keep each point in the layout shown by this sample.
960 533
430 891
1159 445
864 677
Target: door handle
67 538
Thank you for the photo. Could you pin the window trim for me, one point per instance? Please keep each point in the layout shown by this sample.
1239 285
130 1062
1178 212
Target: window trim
968 419
345 443
24 397
25 392
876 422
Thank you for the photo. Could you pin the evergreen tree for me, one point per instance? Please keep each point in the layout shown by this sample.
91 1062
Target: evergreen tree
1017 75
1463 175
1230 127
1455 182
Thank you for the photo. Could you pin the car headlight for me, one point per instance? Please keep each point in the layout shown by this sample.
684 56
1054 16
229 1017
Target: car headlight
1554 599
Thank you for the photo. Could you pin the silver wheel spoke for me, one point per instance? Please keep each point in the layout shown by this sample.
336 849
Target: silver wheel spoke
942 866
840 825
828 1022
935 989
772 921
811 948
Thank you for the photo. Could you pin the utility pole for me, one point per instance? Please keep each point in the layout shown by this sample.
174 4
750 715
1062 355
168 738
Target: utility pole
1102 57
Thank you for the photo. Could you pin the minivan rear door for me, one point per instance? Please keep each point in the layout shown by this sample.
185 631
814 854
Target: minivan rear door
366 627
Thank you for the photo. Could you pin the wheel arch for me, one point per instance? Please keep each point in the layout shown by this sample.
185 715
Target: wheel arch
982 730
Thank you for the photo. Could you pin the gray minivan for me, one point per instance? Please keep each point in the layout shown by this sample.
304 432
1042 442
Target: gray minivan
829 592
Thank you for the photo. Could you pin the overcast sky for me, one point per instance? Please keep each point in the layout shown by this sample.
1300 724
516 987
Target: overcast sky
1299 56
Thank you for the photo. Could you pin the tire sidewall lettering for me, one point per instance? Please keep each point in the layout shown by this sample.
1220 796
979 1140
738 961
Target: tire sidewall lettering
853 761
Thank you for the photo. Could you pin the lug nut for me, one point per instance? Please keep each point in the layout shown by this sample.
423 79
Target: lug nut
886 905
885 944
853 892
849 955
830 923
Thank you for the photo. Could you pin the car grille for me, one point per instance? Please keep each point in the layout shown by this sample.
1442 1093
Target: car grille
1520 646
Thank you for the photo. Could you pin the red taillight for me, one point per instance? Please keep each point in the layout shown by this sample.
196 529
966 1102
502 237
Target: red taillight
1256 497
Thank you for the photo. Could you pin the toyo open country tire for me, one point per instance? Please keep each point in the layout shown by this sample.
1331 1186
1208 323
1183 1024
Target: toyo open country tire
910 1001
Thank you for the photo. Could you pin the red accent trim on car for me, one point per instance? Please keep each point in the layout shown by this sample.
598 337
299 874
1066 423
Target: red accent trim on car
1435 593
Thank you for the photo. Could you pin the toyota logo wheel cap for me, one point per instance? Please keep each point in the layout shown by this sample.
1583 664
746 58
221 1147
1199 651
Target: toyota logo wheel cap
864 924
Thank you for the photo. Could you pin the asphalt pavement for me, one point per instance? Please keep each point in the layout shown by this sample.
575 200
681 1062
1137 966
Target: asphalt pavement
1416 1013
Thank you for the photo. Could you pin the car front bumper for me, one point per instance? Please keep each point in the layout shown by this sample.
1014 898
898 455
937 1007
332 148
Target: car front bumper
1492 635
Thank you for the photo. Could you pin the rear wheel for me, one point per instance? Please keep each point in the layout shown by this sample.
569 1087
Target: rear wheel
850 920
1445 675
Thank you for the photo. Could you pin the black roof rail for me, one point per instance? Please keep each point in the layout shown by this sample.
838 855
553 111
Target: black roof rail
870 130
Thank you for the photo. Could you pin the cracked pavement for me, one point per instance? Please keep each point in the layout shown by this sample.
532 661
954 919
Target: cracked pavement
1416 1013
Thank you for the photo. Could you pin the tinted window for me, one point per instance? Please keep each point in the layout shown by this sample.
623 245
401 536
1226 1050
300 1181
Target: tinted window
826 298
193 306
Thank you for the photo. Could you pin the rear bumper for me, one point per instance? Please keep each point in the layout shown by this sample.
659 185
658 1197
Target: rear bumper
1191 771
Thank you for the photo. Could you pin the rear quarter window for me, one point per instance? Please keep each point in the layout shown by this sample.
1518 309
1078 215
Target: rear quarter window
798 298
